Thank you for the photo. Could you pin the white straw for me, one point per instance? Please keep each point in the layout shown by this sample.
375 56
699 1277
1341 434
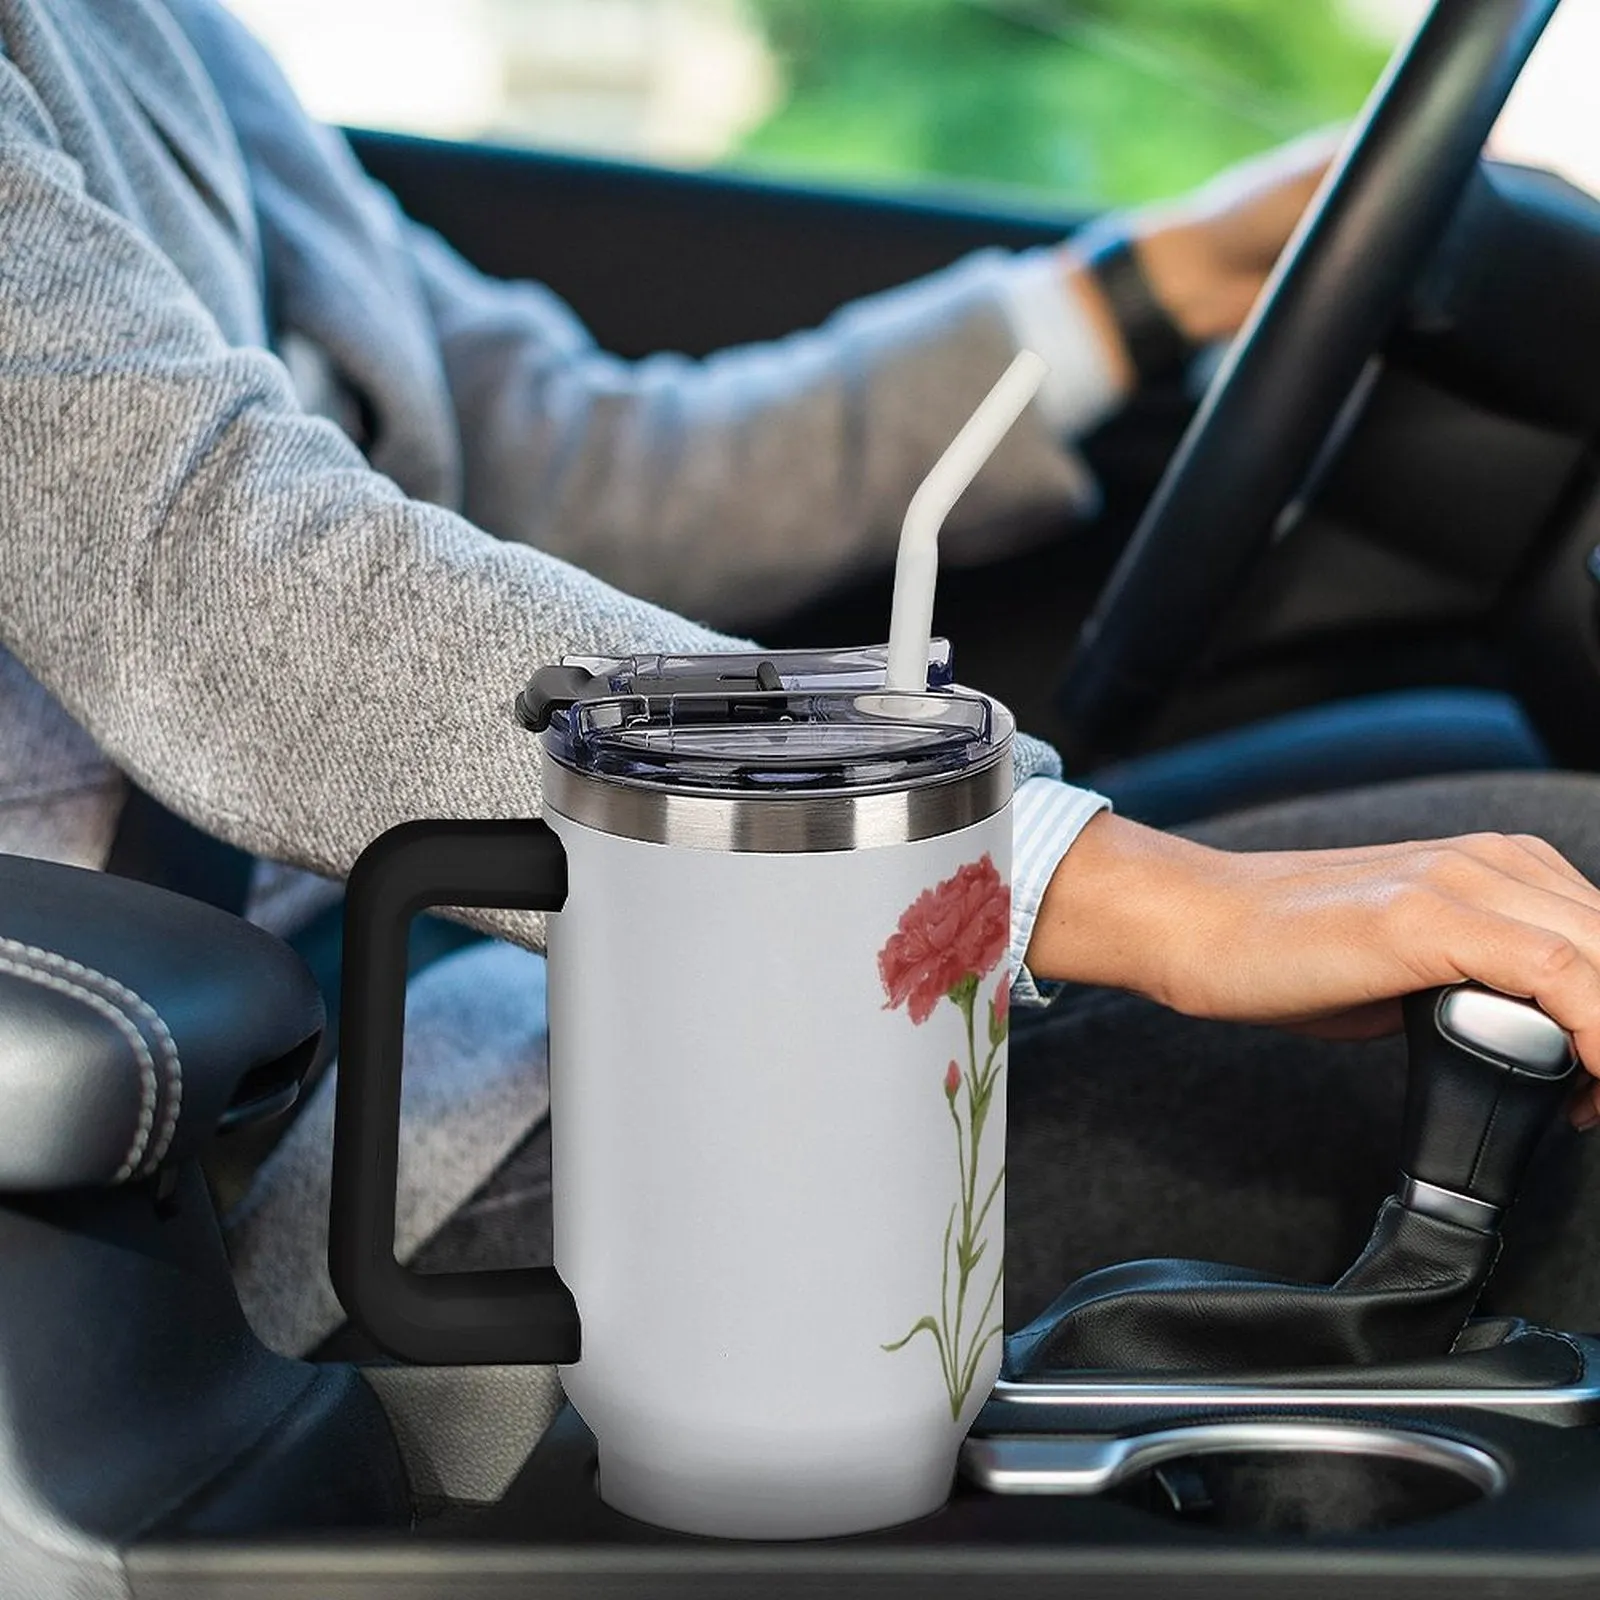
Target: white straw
917 565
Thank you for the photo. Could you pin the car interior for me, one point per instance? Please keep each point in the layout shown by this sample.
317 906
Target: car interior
1365 547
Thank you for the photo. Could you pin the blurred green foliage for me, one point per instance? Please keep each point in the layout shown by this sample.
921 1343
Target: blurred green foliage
1096 101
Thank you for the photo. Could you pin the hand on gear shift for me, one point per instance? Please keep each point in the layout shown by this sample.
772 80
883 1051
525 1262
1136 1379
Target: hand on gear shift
1488 1074
1329 941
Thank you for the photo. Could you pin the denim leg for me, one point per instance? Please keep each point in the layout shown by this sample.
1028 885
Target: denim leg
1375 739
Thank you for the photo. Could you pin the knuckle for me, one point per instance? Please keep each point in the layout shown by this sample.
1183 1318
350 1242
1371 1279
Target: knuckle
1559 957
1541 850
1494 847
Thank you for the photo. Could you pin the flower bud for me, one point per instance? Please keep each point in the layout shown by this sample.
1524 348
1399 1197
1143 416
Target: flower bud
1000 1009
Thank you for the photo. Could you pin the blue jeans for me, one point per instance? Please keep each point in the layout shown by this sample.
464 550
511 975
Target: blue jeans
1351 743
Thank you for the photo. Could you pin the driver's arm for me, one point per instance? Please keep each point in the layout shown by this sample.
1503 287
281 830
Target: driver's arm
263 631
739 485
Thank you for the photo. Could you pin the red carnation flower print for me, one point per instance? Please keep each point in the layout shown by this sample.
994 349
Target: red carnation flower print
957 930
952 1080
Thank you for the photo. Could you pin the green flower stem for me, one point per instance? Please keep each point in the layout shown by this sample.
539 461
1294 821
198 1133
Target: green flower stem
960 1369
981 1086
961 1144
994 1189
970 1370
947 1354
989 1068
964 997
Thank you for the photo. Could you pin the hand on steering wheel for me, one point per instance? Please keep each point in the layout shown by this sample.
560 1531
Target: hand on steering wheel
1208 254
1337 290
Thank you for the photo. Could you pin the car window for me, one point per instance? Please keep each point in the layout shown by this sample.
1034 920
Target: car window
1553 117
1083 101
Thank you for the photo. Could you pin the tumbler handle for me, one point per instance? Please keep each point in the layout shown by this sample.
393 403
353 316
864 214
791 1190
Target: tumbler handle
444 1319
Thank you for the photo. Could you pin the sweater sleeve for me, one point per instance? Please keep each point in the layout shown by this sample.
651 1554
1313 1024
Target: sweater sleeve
738 486
247 619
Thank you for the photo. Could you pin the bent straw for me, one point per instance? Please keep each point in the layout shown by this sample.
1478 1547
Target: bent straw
917 564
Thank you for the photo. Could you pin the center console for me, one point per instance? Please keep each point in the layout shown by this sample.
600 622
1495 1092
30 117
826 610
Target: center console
1101 1492
1164 1426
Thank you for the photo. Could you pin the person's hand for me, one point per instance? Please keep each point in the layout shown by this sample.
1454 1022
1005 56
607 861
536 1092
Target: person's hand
1208 254
1325 940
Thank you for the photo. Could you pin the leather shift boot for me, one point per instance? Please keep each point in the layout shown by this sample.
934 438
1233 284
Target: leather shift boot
1407 1296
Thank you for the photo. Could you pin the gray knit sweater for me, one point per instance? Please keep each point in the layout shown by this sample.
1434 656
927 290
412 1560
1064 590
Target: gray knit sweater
205 587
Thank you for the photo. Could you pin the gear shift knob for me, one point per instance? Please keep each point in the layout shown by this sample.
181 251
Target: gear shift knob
1488 1073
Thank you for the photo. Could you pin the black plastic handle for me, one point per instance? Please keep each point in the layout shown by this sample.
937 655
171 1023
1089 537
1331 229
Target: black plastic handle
444 1319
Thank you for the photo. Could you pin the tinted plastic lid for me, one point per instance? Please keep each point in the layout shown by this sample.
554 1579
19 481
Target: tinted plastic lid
775 722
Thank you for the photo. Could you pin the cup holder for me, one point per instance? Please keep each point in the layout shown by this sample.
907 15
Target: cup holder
1298 1478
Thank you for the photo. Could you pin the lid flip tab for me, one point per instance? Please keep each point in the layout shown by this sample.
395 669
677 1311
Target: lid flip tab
769 722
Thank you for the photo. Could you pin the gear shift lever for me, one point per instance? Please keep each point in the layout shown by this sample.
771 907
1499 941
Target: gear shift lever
1488 1074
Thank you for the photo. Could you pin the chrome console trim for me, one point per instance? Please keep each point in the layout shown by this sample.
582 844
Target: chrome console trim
1432 1200
1087 1464
1074 1399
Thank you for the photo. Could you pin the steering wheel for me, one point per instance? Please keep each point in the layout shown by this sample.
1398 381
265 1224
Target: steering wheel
1338 287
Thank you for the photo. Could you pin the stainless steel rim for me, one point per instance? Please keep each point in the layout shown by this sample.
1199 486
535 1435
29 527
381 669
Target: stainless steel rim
771 824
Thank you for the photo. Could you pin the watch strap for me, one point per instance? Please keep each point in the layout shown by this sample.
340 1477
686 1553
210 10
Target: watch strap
1158 348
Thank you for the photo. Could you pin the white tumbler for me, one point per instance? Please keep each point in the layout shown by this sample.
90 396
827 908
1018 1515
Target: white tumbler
778 986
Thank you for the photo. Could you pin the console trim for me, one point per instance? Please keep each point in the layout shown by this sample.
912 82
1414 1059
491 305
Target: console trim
1089 1464
1447 1205
1566 1405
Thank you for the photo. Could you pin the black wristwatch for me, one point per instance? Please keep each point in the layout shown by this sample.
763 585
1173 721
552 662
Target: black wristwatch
1159 349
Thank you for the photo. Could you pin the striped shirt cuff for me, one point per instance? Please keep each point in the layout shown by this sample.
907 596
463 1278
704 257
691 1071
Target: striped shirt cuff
1046 817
